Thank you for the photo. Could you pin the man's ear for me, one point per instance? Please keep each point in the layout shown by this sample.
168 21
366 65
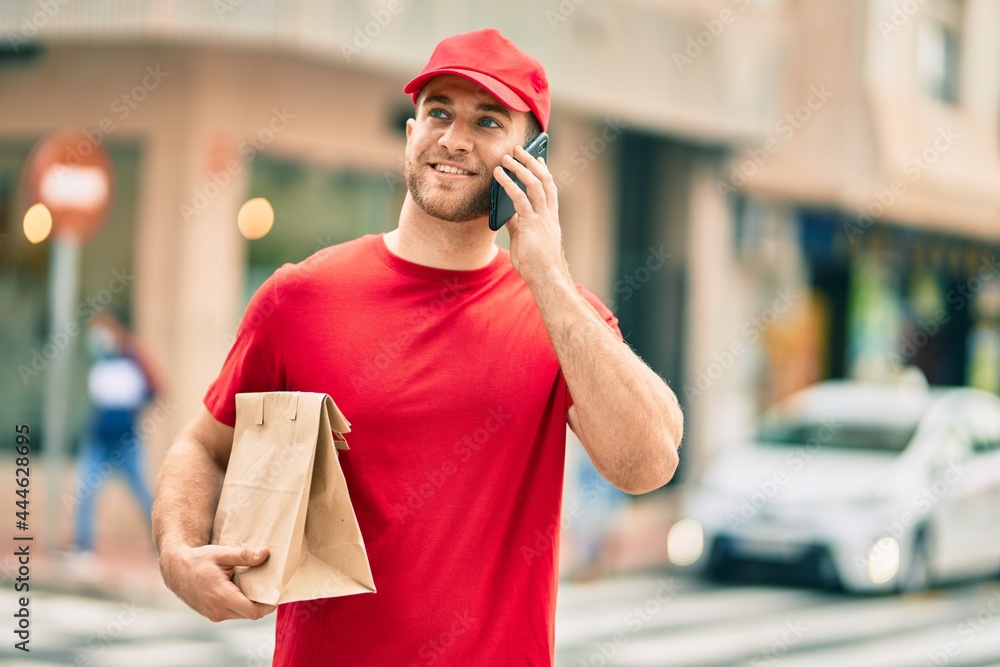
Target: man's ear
409 127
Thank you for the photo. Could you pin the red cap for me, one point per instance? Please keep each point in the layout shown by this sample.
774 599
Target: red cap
491 60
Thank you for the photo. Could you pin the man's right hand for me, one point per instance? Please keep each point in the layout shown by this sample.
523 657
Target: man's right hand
201 577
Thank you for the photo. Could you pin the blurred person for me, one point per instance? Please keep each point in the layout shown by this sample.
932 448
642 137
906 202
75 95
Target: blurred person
459 365
120 383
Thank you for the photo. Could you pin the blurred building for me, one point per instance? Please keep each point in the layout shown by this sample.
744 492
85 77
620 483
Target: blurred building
865 233
712 159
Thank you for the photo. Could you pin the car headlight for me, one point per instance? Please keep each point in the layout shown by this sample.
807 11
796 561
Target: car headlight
883 560
685 542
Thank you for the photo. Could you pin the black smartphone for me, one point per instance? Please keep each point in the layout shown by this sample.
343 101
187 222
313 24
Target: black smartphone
501 206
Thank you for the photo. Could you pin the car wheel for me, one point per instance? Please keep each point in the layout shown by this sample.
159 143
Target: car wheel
918 573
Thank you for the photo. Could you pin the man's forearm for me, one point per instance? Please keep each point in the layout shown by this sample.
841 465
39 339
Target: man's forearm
627 418
187 495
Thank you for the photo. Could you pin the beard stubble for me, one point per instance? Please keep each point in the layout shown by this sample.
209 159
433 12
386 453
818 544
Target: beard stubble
453 209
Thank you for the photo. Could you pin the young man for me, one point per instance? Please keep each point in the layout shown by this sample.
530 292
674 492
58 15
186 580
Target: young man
458 364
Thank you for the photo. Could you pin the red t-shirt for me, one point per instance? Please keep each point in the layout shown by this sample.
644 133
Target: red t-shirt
458 429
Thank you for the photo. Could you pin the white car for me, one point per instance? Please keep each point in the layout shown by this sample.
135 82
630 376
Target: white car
869 487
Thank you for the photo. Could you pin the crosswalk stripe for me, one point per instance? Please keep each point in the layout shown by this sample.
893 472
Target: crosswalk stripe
899 632
940 645
642 621
764 635
688 605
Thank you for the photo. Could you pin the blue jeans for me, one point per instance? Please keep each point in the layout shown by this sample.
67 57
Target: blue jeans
98 461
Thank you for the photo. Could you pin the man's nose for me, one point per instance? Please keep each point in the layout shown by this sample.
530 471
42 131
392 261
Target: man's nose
456 138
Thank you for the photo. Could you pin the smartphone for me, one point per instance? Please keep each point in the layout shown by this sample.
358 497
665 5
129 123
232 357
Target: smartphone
501 206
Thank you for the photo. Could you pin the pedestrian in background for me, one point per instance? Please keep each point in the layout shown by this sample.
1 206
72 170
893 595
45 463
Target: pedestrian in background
120 383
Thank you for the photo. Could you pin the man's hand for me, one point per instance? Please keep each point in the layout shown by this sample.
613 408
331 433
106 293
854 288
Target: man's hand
535 237
183 509
201 576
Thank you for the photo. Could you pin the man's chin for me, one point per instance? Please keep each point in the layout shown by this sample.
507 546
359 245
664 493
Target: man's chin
450 211
450 215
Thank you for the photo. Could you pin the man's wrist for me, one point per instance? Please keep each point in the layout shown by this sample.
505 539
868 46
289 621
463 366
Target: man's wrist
549 278
172 550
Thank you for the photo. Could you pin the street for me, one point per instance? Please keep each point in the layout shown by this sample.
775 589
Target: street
638 621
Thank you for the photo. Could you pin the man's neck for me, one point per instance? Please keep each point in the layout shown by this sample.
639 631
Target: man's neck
429 241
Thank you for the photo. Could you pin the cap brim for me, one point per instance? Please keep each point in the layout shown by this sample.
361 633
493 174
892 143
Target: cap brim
497 89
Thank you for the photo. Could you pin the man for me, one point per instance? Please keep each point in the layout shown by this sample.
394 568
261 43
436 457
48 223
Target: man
458 364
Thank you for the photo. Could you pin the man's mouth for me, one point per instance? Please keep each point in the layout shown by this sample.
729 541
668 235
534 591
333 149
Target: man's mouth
449 169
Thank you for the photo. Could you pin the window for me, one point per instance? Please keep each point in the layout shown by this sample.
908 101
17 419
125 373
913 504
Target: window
315 207
939 43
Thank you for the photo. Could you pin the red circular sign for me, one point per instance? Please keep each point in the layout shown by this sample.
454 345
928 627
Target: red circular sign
71 174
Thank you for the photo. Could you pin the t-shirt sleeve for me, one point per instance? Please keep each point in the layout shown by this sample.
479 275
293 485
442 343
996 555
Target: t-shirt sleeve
605 314
256 361
601 309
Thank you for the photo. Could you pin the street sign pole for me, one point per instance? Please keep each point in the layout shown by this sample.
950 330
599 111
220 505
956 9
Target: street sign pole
63 290
71 174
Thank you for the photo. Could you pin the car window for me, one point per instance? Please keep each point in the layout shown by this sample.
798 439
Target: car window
984 446
985 420
834 435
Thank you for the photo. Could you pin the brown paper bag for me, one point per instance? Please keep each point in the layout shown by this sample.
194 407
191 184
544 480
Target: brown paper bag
284 488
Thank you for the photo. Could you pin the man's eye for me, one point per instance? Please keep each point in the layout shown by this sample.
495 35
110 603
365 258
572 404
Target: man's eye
489 122
437 113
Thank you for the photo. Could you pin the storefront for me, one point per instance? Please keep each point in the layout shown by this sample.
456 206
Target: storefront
898 296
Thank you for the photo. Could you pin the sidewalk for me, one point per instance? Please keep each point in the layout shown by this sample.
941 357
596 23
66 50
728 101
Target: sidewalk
126 566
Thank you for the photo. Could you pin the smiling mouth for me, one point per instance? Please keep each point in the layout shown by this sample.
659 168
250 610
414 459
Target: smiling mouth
448 169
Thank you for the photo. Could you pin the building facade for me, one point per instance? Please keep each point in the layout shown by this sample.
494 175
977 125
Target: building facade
767 192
